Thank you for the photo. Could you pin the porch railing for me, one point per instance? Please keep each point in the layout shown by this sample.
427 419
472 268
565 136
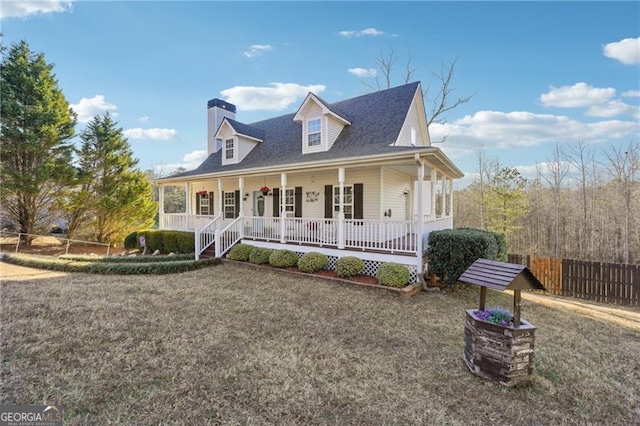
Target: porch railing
264 228
393 236
227 237
206 235
184 222
443 222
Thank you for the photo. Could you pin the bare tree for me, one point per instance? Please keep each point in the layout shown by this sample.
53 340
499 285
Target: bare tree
624 168
555 174
443 99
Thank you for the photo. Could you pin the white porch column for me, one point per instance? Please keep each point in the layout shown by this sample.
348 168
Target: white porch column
443 182
434 176
161 223
220 205
420 222
241 212
451 197
341 235
187 205
283 195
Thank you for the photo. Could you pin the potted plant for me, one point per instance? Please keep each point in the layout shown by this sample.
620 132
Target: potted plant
202 192
265 190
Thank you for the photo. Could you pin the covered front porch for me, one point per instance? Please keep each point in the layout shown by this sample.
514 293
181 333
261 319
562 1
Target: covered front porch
384 208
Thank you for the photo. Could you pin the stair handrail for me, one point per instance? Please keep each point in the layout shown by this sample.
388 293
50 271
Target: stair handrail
205 236
221 245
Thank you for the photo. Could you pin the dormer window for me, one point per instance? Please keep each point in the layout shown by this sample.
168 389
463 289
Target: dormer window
229 148
314 127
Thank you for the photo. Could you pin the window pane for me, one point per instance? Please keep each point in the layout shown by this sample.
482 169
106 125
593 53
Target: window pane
314 139
313 126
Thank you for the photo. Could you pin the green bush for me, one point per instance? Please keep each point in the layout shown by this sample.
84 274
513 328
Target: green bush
349 266
164 240
260 255
452 251
313 262
127 259
501 241
240 252
393 274
104 268
283 259
131 241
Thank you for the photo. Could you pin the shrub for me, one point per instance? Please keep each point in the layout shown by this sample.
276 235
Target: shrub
313 262
393 274
105 268
240 252
164 240
260 255
131 241
452 251
127 259
501 241
349 266
283 259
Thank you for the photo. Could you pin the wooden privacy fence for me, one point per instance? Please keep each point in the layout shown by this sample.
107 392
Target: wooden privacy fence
598 281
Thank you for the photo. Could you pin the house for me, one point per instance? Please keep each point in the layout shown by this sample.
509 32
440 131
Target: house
357 177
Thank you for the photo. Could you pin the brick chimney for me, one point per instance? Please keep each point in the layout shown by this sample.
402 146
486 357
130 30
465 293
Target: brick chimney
217 109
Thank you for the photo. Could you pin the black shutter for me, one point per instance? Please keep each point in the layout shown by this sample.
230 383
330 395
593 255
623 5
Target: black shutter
298 202
197 203
237 208
276 202
328 201
211 210
358 201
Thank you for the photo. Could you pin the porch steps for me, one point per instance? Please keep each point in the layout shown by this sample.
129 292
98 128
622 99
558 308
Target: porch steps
208 252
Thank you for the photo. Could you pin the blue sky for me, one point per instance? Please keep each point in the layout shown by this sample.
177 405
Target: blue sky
541 72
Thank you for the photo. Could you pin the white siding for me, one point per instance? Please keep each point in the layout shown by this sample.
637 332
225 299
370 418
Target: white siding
412 121
244 147
334 127
314 182
312 108
394 184
426 198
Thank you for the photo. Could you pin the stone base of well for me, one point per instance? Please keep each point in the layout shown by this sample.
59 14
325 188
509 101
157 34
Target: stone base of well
499 353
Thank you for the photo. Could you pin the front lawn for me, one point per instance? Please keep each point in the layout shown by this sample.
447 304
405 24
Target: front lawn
235 345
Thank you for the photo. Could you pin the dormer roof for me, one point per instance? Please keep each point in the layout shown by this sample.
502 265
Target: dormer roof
326 109
242 129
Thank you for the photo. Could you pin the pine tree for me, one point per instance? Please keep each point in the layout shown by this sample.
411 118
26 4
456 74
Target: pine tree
120 194
35 131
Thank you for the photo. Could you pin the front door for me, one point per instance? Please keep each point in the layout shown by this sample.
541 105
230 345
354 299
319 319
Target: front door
258 210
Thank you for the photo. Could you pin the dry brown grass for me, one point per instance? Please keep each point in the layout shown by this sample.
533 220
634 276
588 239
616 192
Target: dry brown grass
236 346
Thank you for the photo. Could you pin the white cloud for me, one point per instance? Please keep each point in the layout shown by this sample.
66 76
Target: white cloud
144 118
190 161
276 97
257 49
87 108
496 129
22 9
626 51
578 95
614 108
631 94
372 32
363 72
155 134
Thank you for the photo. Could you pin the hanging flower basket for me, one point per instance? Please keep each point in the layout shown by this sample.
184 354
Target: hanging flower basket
201 193
265 190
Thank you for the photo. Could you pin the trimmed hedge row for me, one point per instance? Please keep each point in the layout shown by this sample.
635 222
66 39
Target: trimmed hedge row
127 259
161 239
62 265
452 251
389 274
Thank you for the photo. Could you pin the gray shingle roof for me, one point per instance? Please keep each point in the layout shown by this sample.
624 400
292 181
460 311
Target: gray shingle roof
246 129
376 120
